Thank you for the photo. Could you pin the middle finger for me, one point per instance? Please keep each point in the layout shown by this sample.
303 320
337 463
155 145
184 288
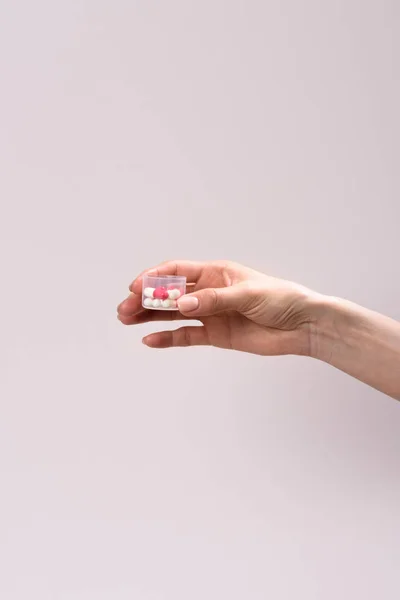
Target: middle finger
147 316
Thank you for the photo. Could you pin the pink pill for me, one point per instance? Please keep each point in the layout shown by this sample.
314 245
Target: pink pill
161 293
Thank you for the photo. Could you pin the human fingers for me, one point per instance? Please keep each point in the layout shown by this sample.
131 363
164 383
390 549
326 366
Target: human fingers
130 306
192 270
184 336
211 301
149 316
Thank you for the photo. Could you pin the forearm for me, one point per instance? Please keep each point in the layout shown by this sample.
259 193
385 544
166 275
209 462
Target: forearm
360 342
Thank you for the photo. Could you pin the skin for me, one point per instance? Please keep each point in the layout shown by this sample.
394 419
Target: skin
245 310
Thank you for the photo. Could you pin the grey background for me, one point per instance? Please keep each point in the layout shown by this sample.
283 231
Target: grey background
133 132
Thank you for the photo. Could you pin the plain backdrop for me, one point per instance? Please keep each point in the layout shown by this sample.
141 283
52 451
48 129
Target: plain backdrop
132 132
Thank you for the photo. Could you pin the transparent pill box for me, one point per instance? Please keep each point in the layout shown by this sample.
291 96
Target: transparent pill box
162 293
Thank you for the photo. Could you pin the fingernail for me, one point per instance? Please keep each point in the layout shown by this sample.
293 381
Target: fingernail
188 303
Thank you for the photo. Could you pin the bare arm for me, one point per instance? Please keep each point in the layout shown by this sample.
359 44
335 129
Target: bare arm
242 309
360 342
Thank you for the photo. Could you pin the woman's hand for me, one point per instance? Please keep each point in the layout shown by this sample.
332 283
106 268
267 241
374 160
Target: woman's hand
239 308
242 309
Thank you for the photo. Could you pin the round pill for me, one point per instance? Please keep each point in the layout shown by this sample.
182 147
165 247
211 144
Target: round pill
148 302
148 292
156 303
166 303
161 293
174 294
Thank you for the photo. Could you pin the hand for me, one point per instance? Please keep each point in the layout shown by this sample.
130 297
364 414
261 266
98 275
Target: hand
239 308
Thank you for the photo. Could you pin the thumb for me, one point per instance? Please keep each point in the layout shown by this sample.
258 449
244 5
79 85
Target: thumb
211 301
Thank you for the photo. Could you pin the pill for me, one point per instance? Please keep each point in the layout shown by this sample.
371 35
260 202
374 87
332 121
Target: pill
174 294
167 303
148 302
148 292
161 293
156 303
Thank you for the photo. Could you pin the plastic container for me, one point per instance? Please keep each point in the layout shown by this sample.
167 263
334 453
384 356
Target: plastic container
162 293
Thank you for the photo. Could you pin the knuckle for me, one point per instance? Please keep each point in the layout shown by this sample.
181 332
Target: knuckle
182 337
214 299
228 265
232 272
171 265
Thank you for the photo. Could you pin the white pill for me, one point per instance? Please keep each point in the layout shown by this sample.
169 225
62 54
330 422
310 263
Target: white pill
156 303
148 292
174 294
167 303
147 302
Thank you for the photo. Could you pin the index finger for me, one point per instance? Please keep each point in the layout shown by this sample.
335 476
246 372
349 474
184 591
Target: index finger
192 270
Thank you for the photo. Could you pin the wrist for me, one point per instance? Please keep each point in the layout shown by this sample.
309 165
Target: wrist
333 324
358 341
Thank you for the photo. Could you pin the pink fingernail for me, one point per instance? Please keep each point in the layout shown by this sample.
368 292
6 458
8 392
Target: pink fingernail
188 303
